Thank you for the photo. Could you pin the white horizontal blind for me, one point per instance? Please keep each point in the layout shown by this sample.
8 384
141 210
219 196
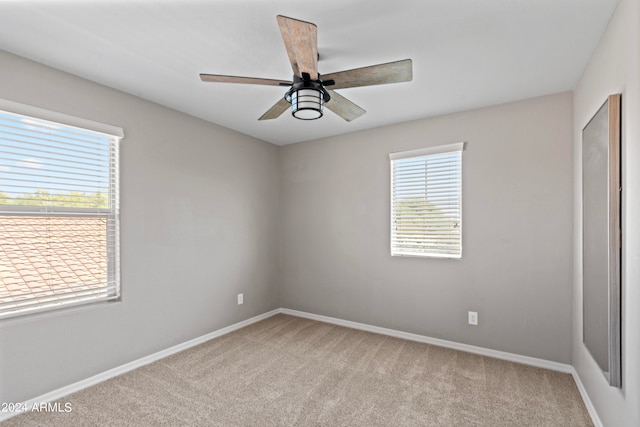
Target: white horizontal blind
59 215
426 202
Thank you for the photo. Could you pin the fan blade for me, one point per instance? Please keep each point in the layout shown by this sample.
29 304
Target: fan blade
244 80
301 41
343 107
275 111
391 72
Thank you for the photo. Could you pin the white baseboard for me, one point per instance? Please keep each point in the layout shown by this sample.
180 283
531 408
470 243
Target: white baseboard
512 357
585 398
103 376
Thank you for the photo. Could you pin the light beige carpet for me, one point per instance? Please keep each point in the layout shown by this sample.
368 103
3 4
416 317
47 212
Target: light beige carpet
288 371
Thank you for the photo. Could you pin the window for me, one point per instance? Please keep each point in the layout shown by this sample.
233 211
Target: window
59 216
426 202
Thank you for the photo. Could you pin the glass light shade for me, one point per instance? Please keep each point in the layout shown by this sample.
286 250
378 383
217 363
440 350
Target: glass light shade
306 104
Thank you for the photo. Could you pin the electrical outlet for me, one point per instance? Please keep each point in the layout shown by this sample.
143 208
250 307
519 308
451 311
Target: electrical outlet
473 318
240 299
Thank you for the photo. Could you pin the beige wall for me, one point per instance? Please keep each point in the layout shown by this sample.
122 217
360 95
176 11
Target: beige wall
199 223
517 230
613 68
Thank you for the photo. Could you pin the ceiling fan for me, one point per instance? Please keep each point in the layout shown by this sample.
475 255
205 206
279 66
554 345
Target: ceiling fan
309 92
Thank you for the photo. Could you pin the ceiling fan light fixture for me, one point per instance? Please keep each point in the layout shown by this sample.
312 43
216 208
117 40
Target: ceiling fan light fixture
307 97
307 103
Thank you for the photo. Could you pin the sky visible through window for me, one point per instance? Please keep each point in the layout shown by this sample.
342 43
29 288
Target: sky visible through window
431 168
46 162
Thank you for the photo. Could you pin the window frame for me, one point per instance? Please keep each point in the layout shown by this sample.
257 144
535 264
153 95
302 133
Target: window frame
419 153
110 214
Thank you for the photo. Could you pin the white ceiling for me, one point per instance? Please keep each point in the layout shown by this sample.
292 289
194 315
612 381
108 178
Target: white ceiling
466 53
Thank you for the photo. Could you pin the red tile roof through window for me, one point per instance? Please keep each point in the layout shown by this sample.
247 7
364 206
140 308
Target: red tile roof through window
40 256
